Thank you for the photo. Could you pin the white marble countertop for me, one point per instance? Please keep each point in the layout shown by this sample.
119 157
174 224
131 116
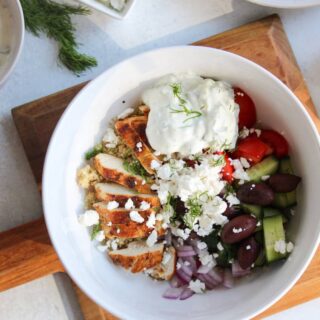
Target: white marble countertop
152 24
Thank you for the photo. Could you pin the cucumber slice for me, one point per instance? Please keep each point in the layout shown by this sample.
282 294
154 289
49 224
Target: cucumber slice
266 167
273 231
252 209
285 200
270 212
286 166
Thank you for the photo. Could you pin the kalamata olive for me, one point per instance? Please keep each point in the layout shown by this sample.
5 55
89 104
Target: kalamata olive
232 212
239 228
283 182
255 193
248 252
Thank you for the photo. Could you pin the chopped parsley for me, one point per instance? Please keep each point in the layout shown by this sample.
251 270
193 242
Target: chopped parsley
95 229
93 152
134 166
191 114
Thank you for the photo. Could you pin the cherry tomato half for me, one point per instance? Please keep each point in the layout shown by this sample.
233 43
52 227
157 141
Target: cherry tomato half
276 141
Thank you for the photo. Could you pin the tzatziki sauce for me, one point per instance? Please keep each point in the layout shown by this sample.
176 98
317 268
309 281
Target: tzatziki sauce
189 113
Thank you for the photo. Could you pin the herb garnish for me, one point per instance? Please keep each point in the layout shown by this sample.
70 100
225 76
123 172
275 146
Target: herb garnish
191 114
134 166
93 152
194 211
54 20
95 229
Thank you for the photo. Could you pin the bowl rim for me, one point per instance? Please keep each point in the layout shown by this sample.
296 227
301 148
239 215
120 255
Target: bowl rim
19 47
123 314
273 4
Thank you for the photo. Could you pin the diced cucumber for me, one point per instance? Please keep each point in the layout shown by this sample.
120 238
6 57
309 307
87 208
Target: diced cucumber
273 231
285 200
252 209
266 167
269 212
261 260
286 166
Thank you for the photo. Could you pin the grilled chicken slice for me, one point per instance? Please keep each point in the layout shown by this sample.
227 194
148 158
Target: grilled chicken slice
112 192
166 269
117 223
138 256
132 132
111 168
144 109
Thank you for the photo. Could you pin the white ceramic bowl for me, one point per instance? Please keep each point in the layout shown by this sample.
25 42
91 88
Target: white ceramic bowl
109 11
17 35
83 124
289 4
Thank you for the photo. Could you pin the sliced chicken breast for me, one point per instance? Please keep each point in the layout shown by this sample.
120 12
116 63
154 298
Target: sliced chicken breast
138 257
111 168
166 269
112 192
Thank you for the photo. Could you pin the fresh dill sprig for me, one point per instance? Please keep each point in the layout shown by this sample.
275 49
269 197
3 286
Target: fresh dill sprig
194 210
94 231
191 114
54 20
94 151
134 166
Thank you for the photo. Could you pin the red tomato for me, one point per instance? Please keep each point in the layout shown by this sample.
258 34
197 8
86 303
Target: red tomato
227 170
252 148
276 141
247 115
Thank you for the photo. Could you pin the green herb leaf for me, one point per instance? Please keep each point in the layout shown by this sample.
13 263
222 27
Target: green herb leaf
134 166
96 150
54 20
95 229
194 211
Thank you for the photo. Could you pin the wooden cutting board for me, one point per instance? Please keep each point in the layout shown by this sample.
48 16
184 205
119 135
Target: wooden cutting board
26 252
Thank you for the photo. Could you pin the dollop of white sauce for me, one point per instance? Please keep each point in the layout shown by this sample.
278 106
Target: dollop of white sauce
211 119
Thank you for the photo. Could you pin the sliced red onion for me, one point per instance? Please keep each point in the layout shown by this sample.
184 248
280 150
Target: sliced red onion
228 280
209 284
186 269
186 293
204 269
216 275
176 282
193 263
185 248
237 271
211 280
172 293
189 253
183 276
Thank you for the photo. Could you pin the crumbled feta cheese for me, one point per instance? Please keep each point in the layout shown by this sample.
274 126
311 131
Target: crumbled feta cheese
125 113
114 244
110 139
118 230
187 263
143 182
245 163
258 223
264 178
89 218
232 200
220 247
206 259
154 164
152 239
258 132
157 153
215 255
144 205
112 205
248 247
100 236
290 247
244 133
139 146
151 221
197 286
159 217
183 233
178 266
136 217
239 173
164 225
201 245
129 204
109 224
235 230
280 246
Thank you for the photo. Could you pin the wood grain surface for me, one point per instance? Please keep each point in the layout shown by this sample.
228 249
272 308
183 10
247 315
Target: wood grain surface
263 42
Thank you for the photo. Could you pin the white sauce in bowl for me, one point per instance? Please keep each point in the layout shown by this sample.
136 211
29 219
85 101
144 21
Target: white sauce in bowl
5 33
189 113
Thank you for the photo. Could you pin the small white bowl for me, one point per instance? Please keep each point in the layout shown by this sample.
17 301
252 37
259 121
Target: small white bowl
84 123
17 36
110 12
